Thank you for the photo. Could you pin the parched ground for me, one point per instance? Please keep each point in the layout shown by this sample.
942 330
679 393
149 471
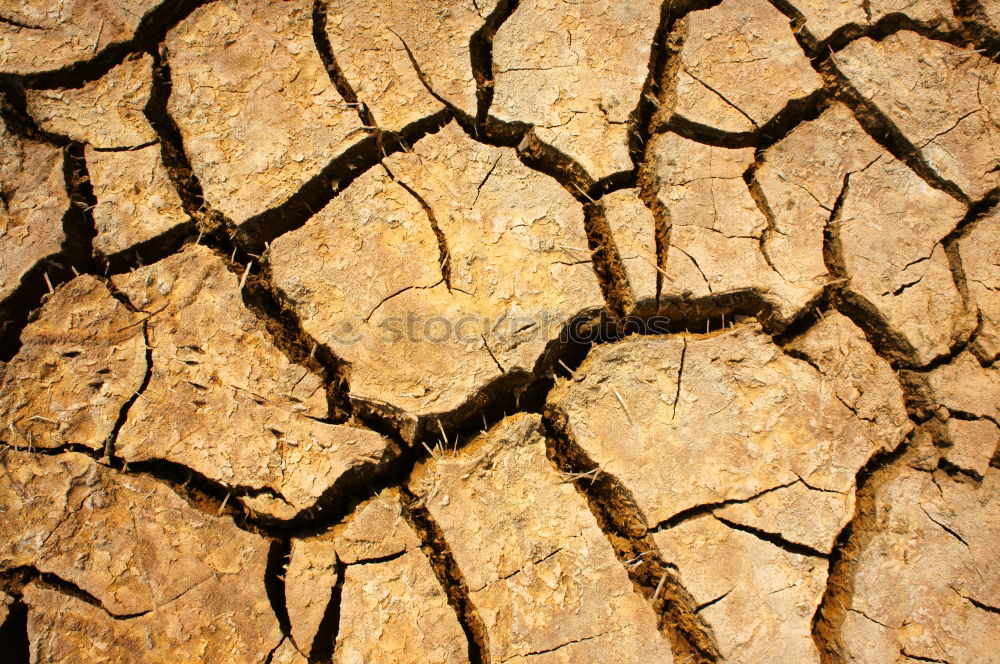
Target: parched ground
500 331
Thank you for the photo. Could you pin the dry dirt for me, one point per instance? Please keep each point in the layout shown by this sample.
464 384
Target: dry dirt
494 331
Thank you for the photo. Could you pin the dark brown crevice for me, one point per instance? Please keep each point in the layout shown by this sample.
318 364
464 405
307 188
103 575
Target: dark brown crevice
333 70
625 527
444 255
977 28
110 443
775 538
152 30
256 232
950 242
172 153
150 251
648 185
325 642
78 224
793 114
481 56
278 556
850 544
13 580
663 55
613 182
607 262
449 575
514 390
662 226
14 641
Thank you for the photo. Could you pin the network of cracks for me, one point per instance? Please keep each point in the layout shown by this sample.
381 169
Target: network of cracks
500 331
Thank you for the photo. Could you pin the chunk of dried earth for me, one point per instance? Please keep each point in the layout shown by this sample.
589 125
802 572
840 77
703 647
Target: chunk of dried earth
758 598
798 182
442 208
208 624
81 361
633 230
241 412
136 201
980 254
553 70
255 107
823 18
431 306
32 207
707 421
538 569
889 236
106 113
726 46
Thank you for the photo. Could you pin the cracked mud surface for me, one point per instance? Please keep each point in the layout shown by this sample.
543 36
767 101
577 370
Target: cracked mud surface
500 331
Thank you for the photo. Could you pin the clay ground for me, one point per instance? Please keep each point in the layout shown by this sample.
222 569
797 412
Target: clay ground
500 331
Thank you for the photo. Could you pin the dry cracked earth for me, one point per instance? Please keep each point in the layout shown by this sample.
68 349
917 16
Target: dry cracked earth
500 331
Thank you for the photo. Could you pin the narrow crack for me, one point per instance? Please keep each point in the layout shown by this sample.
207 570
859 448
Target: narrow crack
444 255
347 92
774 538
110 443
711 602
23 575
851 542
919 658
722 97
449 575
680 375
546 651
708 508
980 605
625 527
945 528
